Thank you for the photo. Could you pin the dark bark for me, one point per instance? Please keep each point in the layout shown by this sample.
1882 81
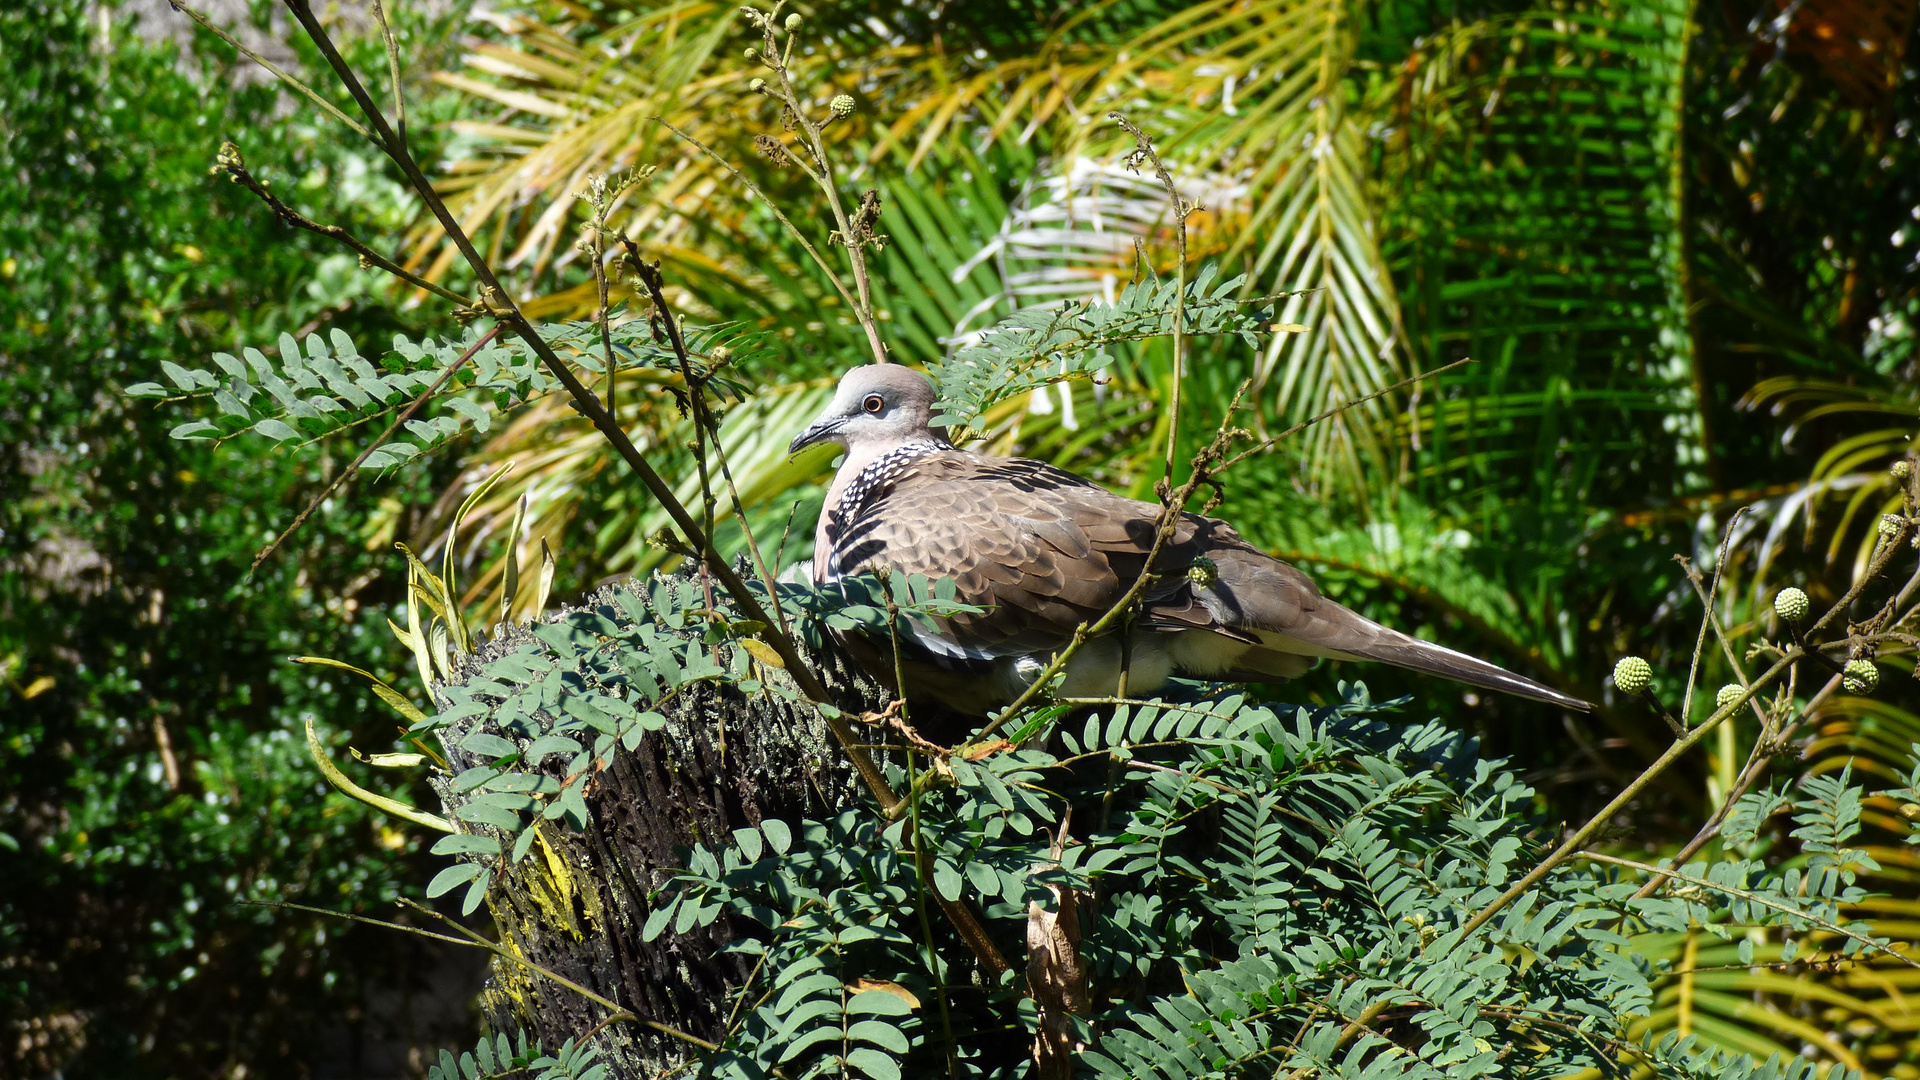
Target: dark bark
576 905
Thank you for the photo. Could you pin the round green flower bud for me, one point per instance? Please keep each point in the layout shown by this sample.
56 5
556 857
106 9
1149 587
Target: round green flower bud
751 54
1791 604
1890 524
757 85
793 22
1901 469
1860 677
842 105
1728 694
1204 572
1910 811
1632 674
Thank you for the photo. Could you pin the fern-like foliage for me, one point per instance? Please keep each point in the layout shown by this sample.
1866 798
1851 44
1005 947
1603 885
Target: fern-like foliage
532 724
1263 889
324 385
1036 346
496 1057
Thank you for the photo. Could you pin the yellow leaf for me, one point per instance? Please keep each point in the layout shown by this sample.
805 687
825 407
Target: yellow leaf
37 687
762 652
861 986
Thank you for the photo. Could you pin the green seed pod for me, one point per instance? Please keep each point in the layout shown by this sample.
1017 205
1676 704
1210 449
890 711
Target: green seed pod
1791 604
1901 469
793 23
842 105
757 85
1728 694
751 54
1632 675
1860 677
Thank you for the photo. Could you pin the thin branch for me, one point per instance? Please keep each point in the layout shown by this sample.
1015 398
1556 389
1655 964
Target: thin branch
1573 843
497 949
393 70
231 163
348 472
853 238
1751 898
1143 151
1268 444
313 96
779 215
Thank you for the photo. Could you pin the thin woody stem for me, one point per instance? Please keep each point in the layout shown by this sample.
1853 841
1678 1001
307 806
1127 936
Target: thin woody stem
308 91
471 939
779 215
1572 844
1268 444
1144 150
825 180
393 70
1750 897
231 163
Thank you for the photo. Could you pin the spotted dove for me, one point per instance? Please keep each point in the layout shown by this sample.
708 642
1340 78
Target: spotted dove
1043 551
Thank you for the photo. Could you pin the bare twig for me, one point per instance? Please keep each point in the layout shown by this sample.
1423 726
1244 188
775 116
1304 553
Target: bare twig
854 236
393 71
311 95
231 163
779 215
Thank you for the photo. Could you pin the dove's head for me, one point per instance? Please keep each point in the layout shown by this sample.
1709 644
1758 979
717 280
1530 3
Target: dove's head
877 405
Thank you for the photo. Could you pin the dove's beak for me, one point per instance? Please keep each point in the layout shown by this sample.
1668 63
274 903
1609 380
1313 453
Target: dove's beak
820 431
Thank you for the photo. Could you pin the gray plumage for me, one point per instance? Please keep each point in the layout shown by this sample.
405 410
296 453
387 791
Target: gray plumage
1043 551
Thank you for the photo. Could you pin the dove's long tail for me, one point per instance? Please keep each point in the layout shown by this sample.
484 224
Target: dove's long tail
1280 606
1364 639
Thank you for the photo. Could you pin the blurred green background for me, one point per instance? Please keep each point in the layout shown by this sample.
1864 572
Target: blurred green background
1681 244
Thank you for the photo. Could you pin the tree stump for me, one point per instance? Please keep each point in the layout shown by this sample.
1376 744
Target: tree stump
726 760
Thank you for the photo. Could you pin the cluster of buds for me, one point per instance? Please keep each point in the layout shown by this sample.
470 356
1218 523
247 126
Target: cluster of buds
1860 677
1204 572
1632 675
756 17
1728 694
1791 604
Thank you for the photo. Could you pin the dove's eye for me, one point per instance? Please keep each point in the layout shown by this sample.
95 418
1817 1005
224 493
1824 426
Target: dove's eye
874 403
